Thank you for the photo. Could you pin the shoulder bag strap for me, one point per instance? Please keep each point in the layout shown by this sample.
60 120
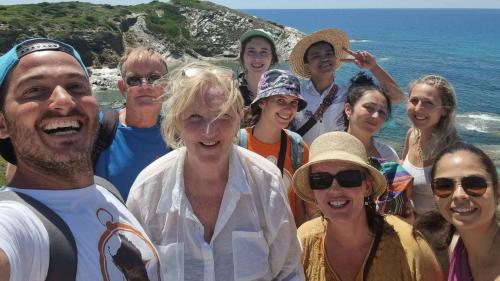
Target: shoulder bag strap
281 158
372 253
63 252
327 101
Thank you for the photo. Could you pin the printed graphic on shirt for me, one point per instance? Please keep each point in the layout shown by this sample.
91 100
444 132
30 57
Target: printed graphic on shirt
125 253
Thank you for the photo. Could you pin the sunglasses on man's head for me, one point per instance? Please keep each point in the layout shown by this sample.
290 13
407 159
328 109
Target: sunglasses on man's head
137 80
472 185
347 179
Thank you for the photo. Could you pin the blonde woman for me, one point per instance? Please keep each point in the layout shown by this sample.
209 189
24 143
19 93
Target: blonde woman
431 109
215 211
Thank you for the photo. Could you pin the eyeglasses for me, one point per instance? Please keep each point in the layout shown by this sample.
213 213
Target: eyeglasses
137 80
220 71
347 179
472 185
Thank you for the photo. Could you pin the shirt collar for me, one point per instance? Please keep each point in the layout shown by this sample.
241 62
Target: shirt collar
171 198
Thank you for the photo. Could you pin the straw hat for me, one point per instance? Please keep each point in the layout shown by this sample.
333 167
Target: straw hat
336 37
336 146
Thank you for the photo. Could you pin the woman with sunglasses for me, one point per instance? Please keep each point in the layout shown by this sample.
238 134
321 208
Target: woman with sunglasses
431 109
278 100
215 211
351 241
257 55
467 194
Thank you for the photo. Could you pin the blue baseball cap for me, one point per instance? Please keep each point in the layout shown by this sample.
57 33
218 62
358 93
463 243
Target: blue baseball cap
8 62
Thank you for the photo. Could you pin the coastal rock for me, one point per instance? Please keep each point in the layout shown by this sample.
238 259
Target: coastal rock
181 30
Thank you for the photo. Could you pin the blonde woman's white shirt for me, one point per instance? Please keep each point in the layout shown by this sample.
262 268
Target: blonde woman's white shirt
332 118
110 241
254 237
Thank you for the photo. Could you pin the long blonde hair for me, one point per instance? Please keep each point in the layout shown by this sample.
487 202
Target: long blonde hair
445 133
185 88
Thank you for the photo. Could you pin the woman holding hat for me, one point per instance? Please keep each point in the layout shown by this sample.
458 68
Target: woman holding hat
316 57
467 195
278 100
431 109
215 211
351 241
257 55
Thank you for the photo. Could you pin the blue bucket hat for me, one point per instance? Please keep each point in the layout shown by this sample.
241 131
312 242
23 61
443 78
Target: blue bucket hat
279 82
8 62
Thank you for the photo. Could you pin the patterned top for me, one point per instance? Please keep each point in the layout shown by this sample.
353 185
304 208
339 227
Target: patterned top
400 255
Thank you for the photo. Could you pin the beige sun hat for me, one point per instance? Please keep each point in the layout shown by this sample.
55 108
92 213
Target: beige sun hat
336 146
336 37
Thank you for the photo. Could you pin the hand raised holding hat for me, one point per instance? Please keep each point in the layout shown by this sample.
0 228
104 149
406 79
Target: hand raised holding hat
362 59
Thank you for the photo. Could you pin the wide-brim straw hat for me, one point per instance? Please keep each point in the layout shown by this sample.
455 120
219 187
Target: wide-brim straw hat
336 37
336 146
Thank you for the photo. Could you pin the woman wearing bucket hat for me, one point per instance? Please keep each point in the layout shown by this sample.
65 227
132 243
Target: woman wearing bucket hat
278 100
351 241
257 55
215 211
316 57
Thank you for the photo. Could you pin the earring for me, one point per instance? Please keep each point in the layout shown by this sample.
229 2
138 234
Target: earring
367 201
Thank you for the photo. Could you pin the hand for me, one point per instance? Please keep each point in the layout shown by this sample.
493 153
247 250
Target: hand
362 59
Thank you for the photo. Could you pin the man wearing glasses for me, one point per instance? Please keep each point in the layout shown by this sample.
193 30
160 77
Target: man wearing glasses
137 141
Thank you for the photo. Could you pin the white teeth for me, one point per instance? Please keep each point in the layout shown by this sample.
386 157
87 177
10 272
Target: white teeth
420 118
338 203
62 125
462 210
209 143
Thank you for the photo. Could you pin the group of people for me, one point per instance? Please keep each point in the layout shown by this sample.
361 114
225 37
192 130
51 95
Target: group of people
240 164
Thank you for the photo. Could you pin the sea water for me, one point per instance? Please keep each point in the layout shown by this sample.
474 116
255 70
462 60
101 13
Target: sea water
461 45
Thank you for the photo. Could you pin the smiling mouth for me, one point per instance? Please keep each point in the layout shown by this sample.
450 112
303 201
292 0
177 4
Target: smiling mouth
209 143
338 204
62 128
463 211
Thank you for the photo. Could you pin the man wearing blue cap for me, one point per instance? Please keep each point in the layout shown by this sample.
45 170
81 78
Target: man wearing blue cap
48 123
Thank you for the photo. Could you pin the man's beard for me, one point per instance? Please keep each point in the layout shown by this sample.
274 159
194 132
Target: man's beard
75 161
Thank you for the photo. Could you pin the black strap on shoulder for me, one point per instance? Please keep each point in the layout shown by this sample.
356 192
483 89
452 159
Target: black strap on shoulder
63 252
105 135
281 157
373 251
109 187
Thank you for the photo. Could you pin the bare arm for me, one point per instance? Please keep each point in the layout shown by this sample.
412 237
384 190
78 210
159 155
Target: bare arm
364 59
4 267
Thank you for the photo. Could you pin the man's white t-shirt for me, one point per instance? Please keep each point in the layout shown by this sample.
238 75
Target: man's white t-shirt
110 242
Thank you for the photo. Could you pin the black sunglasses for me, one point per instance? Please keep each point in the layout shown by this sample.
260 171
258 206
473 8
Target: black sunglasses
137 80
348 179
472 185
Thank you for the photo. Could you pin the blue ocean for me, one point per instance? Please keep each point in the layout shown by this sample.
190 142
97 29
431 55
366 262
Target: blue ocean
461 45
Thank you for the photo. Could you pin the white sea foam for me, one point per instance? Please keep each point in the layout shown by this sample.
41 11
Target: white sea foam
382 59
479 122
359 41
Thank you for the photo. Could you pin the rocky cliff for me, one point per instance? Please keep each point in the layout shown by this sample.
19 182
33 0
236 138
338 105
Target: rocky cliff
179 29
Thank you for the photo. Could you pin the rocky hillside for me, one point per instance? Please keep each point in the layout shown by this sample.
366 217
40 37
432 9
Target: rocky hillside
178 29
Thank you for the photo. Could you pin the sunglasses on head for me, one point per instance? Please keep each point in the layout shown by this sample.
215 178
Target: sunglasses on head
137 80
347 179
220 71
472 185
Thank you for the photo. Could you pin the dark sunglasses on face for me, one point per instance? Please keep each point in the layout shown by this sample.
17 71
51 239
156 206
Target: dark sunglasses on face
137 80
472 185
346 179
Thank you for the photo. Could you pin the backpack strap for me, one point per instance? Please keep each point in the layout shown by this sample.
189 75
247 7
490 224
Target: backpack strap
297 154
243 138
109 187
63 252
105 135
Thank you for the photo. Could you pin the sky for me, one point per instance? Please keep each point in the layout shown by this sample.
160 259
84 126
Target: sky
313 4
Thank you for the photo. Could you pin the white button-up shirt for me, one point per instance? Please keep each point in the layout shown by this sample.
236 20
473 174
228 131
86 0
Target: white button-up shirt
254 237
332 118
